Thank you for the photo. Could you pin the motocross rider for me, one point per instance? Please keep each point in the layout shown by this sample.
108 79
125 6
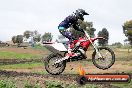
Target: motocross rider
71 20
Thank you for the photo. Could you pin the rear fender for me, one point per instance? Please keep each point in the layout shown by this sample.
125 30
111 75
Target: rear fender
59 46
56 48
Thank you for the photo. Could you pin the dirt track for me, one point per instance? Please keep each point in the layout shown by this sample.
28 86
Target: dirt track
67 77
64 78
20 75
72 67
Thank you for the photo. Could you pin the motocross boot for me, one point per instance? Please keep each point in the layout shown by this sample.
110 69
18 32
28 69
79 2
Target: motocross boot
70 52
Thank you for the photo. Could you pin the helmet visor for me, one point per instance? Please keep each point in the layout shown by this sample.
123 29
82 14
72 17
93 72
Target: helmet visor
85 13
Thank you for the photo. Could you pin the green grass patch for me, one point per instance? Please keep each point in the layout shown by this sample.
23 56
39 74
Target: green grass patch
122 55
39 47
130 64
11 84
124 85
29 85
7 84
13 55
28 65
41 72
58 84
129 71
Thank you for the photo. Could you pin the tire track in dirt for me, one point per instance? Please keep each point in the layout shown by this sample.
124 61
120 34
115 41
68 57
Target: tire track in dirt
63 77
18 61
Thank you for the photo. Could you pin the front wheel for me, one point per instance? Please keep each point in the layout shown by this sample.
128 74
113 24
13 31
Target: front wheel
54 69
107 60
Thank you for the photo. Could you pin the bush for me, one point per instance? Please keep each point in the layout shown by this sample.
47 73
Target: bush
7 84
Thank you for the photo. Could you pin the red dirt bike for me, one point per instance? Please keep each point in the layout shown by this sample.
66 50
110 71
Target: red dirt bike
55 63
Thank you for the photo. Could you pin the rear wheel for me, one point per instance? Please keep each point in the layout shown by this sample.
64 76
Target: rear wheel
107 60
52 68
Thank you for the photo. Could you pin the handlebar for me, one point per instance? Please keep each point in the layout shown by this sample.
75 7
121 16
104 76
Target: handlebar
88 36
48 42
101 38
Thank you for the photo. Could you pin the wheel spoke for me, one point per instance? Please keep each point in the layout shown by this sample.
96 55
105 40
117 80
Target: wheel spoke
106 59
106 54
53 68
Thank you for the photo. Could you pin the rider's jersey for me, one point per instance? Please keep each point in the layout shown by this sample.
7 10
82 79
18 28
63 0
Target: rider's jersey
68 21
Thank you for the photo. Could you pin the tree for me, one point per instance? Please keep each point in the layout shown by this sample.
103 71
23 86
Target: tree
76 33
88 26
100 41
90 29
19 39
27 34
14 39
104 33
61 38
127 30
36 36
47 37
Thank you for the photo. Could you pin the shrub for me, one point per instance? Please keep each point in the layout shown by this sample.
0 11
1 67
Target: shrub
7 84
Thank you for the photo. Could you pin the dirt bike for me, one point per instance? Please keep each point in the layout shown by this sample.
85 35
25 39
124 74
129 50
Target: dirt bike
102 57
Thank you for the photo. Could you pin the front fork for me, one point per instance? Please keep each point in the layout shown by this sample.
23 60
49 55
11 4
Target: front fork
96 49
94 45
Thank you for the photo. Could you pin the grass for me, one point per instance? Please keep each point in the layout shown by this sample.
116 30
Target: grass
123 55
7 84
5 54
130 64
130 72
10 84
55 84
41 72
28 65
29 85
58 84
120 55
39 47
124 85
13 55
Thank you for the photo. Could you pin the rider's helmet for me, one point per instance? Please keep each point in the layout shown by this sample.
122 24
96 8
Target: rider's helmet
80 13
